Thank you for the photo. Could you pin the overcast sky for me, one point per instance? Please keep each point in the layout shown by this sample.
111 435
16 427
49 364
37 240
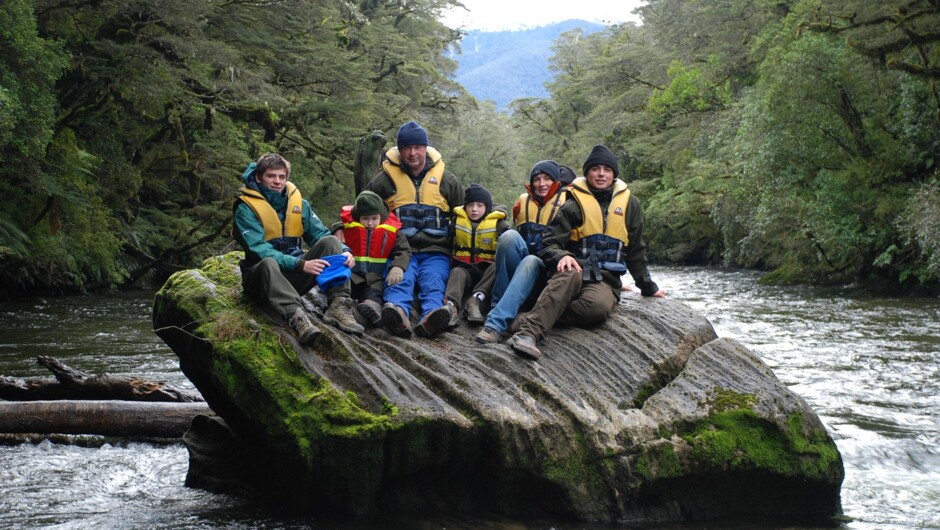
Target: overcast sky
515 14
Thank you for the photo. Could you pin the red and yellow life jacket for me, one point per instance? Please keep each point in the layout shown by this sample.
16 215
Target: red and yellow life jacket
601 241
473 244
371 248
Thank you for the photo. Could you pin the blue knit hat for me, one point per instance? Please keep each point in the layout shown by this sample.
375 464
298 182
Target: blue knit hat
411 134
549 167
336 274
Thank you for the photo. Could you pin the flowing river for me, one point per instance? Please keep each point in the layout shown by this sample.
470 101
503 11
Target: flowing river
868 365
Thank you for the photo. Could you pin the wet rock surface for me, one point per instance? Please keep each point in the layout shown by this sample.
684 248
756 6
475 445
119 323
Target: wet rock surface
648 417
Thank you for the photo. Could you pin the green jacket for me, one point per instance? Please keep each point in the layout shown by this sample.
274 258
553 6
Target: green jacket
249 231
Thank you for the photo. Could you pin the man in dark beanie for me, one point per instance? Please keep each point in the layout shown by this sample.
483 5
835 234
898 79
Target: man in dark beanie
371 233
422 194
596 237
518 270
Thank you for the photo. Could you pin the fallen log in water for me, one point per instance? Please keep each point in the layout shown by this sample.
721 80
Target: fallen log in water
77 385
107 418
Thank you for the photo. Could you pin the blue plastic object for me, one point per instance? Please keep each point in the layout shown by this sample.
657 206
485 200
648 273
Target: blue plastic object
336 274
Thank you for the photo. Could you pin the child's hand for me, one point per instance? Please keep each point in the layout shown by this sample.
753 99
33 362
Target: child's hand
395 275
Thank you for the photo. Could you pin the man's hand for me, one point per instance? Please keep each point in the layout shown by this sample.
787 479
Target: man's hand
350 260
315 266
395 275
568 263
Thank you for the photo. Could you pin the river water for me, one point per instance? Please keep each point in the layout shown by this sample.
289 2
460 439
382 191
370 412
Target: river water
868 365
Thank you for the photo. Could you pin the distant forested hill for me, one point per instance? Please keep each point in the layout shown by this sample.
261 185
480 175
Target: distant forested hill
506 65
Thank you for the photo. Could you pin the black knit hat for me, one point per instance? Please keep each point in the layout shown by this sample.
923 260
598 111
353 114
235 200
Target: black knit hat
477 193
601 155
549 167
369 203
411 134
567 175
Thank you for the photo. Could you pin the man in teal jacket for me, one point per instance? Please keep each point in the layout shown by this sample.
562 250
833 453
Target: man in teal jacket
272 223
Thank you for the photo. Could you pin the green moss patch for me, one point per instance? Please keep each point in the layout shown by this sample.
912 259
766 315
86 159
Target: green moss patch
740 440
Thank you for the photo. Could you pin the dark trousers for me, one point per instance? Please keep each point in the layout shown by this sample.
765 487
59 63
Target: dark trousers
569 300
368 287
266 282
464 281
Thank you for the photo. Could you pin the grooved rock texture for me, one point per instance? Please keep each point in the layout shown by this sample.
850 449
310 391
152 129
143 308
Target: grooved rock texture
648 417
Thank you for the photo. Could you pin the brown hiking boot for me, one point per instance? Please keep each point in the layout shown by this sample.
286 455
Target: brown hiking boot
341 314
525 346
395 320
435 322
300 323
371 312
472 311
487 335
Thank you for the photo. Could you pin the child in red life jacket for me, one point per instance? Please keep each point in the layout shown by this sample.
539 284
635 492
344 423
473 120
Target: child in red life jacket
371 233
476 228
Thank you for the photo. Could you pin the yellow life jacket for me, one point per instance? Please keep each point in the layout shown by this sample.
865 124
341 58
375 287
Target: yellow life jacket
532 219
422 208
601 241
473 244
283 235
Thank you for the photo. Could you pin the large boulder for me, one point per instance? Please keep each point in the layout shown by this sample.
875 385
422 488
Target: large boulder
648 417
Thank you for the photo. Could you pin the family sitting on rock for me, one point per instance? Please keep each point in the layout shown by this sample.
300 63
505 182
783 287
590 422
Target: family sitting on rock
416 236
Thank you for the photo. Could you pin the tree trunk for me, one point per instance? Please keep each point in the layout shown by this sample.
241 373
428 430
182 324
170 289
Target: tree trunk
370 153
75 384
107 418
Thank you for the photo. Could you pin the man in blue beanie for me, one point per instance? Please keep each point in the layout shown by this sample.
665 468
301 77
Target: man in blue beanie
272 223
422 194
595 238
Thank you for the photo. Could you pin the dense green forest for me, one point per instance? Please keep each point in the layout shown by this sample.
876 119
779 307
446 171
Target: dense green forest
795 136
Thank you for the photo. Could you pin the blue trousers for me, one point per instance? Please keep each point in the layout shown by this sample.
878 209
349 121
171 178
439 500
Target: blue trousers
428 272
517 274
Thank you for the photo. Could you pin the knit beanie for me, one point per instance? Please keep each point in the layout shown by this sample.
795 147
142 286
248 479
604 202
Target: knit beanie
601 155
477 193
411 134
369 203
567 175
549 167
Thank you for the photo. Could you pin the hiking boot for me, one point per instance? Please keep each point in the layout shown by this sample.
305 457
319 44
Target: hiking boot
300 323
487 335
454 314
371 312
525 346
472 311
435 322
341 314
395 320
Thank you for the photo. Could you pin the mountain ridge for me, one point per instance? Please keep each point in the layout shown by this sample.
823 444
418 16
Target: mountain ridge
502 66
